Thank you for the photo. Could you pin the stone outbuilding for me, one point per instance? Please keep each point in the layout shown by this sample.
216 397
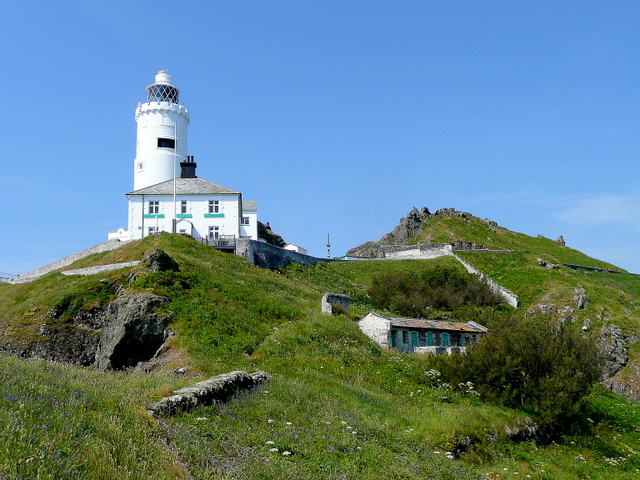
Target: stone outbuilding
415 335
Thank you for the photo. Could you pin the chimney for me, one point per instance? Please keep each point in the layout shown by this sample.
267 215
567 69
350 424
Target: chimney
188 168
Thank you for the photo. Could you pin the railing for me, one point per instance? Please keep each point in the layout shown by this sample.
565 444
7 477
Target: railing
221 241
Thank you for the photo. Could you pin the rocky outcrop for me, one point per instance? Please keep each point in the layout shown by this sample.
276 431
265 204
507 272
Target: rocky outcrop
119 335
411 226
132 331
408 227
581 298
368 250
216 389
613 344
265 233
160 261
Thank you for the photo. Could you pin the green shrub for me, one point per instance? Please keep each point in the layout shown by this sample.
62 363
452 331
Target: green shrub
442 287
539 365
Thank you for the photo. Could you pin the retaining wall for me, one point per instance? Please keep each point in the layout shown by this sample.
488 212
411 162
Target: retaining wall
38 272
265 255
509 297
100 268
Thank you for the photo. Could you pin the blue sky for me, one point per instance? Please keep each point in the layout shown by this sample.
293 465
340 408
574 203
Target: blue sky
337 116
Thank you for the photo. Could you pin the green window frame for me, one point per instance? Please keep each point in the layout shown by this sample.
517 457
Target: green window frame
414 339
445 339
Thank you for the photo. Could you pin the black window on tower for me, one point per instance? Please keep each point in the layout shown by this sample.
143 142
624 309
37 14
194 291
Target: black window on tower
166 143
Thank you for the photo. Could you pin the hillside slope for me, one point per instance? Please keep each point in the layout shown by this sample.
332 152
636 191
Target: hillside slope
607 304
337 405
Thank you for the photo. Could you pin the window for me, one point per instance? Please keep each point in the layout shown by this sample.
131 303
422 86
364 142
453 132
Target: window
140 165
422 338
152 230
405 336
214 231
166 143
245 220
414 339
183 206
154 208
430 339
445 339
214 206
183 230
394 340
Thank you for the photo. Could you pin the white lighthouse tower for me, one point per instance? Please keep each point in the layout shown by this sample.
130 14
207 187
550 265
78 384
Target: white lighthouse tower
162 134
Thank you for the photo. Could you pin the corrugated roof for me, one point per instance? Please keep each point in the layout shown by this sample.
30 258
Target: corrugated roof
436 324
184 186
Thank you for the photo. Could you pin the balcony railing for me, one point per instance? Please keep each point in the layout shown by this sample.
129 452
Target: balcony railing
226 242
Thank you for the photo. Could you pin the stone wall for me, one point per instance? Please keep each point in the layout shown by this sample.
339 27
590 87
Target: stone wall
506 294
264 255
99 268
216 389
39 272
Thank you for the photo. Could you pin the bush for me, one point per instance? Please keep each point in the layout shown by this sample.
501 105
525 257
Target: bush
443 287
539 365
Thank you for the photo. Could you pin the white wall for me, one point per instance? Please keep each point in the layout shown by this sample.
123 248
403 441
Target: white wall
228 218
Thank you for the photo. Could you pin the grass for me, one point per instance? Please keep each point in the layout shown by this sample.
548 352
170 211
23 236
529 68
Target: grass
58 421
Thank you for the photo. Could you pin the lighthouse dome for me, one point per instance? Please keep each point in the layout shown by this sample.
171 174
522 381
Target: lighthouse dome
163 90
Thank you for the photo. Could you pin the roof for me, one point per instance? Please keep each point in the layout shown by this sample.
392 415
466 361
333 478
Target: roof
435 324
250 205
184 186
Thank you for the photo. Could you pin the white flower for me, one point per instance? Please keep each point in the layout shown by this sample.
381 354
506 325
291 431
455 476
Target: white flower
270 442
289 423
286 453
201 418
270 421
274 449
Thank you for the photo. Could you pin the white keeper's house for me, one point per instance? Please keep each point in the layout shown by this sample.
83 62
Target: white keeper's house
167 195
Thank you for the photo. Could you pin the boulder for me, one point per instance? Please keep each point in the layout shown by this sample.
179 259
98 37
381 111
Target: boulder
160 261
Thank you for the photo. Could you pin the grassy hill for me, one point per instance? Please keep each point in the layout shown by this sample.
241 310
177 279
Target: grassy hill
337 405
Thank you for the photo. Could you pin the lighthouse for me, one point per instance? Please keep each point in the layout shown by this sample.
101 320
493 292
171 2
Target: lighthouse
167 194
161 142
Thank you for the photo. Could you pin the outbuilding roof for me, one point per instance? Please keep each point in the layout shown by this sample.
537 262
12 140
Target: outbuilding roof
420 323
184 186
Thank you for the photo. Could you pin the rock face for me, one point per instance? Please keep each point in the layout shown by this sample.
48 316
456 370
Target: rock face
613 344
133 331
265 233
160 261
408 227
119 335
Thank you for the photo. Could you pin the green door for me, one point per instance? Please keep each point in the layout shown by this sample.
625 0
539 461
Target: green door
394 341
445 339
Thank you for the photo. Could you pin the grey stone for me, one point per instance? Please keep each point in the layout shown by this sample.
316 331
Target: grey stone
335 304
581 298
160 261
216 389
133 331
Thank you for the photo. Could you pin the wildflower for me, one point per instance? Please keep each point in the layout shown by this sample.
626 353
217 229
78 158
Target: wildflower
289 423
201 418
286 453
274 449
270 421
449 455
270 442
